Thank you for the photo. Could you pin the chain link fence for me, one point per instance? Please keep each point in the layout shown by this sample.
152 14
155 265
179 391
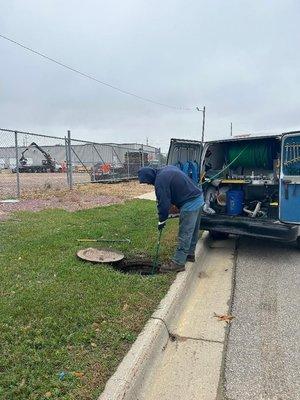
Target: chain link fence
33 163
108 163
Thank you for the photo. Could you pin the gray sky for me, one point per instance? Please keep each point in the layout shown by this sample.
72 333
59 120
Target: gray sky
239 58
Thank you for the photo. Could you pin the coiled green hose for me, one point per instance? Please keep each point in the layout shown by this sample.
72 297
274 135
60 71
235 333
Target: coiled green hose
256 155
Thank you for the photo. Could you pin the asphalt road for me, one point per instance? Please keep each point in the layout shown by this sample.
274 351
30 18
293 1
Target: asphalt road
262 361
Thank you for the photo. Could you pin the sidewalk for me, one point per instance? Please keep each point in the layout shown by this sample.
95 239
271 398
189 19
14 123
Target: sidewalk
147 196
190 366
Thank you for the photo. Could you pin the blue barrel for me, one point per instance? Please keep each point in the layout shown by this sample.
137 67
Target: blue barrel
234 202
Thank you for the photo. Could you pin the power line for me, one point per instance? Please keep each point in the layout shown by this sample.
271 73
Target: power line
92 77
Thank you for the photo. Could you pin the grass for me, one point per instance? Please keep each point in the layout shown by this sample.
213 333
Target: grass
64 324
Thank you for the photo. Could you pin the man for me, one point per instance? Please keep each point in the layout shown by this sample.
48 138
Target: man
173 187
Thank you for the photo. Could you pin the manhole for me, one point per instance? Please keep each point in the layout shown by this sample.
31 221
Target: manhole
104 256
134 265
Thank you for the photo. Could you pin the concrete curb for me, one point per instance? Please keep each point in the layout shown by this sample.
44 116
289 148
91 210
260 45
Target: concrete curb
128 378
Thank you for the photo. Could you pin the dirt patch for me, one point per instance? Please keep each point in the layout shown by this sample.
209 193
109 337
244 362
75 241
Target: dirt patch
83 196
34 184
124 190
70 202
44 186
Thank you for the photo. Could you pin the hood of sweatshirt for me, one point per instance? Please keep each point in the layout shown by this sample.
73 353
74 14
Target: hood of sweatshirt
147 175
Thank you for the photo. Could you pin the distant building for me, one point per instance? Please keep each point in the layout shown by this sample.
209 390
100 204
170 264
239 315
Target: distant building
87 153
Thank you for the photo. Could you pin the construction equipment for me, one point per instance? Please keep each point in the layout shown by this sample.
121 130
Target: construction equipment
48 164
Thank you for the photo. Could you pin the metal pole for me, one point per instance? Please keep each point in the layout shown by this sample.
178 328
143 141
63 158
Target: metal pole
112 163
17 165
67 160
70 161
128 168
159 157
143 163
203 125
230 128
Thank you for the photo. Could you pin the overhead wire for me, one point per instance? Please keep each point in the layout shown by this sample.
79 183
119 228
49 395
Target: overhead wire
126 92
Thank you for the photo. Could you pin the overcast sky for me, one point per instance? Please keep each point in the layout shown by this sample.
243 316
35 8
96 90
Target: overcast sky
241 59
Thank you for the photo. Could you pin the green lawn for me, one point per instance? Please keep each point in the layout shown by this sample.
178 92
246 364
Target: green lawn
65 324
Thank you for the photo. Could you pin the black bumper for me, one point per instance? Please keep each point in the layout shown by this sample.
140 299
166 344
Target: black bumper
267 229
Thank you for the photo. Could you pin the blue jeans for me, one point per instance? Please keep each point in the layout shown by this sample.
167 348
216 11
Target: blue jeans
188 235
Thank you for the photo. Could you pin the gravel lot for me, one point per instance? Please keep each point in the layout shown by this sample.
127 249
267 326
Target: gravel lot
32 183
42 191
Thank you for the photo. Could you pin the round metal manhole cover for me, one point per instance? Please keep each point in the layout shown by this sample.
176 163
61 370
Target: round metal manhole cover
100 255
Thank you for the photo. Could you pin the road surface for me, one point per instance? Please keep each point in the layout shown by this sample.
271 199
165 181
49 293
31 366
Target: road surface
258 283
262 361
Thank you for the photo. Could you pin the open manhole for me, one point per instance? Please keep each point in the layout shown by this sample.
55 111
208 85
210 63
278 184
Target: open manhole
136 266
131 265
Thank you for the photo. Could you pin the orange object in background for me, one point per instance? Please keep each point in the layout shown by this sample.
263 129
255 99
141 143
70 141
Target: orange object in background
105 168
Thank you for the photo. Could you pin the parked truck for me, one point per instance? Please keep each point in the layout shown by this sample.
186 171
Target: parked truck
251 185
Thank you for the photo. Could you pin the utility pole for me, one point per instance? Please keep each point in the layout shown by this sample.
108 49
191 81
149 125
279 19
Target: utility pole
203 122
230 128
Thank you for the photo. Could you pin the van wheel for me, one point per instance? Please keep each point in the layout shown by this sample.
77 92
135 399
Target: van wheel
216 235
298 242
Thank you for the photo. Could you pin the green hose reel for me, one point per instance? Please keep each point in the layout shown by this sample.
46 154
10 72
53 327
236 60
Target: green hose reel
255 155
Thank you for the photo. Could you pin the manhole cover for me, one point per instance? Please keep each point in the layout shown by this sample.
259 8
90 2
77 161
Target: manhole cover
100 255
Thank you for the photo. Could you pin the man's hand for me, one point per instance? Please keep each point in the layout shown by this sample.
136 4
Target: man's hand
174 210
161 225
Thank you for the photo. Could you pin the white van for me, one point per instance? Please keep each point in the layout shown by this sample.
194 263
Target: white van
251 184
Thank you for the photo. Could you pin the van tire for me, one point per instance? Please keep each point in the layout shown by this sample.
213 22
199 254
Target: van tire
217 235
298 242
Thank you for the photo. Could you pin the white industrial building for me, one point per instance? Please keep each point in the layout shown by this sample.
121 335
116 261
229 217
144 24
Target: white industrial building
86 153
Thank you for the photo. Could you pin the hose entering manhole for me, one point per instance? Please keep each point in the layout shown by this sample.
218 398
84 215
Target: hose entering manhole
136 266
133 265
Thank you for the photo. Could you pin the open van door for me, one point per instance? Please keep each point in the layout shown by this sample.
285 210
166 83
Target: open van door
289 188
186 155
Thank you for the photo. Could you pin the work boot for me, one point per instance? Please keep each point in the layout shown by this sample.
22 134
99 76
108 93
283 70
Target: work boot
172 267
191 258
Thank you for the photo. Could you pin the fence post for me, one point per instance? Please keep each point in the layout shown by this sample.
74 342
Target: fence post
128 166
159 157
112 162
70 167
67 161
143 162
17 164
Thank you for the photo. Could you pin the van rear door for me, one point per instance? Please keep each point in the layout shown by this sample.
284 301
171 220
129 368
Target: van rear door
186 154
289 188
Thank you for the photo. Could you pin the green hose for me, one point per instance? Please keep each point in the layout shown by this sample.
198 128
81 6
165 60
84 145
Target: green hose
257 155
155 261
226 167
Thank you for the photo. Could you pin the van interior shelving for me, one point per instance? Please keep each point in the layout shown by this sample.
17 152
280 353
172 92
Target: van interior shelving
242 178
251 185
239 177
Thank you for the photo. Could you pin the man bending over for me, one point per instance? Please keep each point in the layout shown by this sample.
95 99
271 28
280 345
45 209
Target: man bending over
173 187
